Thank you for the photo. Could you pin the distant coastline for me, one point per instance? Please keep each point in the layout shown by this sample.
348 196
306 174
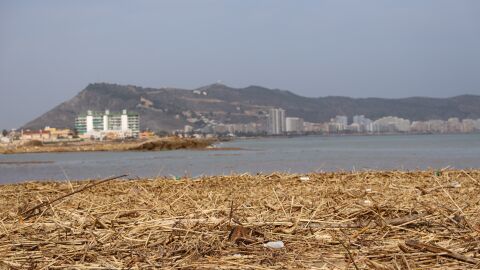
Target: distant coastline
162 144
327 135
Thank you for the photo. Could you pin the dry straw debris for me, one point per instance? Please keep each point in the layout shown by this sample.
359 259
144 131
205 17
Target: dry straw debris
342 220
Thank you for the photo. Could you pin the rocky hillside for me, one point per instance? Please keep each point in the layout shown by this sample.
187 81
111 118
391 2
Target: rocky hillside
170 108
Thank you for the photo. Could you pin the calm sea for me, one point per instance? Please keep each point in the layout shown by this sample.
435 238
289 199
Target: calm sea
300 154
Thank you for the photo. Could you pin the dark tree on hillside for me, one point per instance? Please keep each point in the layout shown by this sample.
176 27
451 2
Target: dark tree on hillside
4 132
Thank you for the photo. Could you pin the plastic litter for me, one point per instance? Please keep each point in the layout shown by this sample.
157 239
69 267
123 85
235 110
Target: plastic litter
455 184
367 202
304 178
274 244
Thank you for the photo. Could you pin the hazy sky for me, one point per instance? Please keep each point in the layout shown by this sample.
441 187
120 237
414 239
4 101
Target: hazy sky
50 50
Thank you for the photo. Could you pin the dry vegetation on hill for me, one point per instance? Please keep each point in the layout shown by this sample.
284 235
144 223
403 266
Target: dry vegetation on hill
363 220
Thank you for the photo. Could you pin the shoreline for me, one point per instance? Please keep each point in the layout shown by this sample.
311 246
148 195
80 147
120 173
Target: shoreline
423 219
161 144
172 143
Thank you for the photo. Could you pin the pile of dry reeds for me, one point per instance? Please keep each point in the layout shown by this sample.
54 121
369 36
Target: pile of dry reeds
356 220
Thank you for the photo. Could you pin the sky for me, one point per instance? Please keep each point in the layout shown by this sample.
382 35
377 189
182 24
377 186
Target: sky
51 50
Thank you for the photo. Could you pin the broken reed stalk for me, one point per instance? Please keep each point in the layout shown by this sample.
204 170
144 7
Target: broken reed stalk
348 250
28 213
440 250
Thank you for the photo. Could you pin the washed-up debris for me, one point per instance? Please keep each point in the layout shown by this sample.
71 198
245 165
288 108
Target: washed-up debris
442 251
274 244
367 202
455 184
245 221
244 235
304 178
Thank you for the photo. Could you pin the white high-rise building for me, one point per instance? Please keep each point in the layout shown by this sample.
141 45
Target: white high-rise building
339 123
96 123
276 121
294 125
364 124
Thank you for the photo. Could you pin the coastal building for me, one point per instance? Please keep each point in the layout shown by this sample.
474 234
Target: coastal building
315 127
37 135
339 123
454 125
468 125
294 125
188 129
107 125
276 121
239 128
362 124
341 119
59 133
419 127
391 124
354 128
477 125
437 126
4 139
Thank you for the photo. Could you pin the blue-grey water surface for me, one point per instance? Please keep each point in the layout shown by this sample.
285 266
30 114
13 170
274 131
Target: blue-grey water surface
300 154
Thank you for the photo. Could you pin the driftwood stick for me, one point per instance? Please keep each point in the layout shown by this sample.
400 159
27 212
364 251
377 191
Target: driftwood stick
29 211
405 219
377 266
347 249
437 249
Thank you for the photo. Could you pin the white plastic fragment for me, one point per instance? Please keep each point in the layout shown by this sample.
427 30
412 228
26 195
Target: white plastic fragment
274 244
367 202
455 184
304 178
368 190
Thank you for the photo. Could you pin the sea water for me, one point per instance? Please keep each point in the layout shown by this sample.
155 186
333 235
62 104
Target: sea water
294 155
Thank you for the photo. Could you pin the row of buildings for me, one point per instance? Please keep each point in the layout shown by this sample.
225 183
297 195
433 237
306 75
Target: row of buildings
281 124
47 134
277 122
126 124
393 124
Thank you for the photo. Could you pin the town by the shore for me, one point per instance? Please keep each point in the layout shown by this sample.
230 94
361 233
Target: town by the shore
120 131
341 220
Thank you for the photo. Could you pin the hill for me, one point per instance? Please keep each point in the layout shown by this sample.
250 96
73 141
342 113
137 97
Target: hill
169 108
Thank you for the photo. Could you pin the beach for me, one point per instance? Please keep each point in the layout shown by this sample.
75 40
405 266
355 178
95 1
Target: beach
337 220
